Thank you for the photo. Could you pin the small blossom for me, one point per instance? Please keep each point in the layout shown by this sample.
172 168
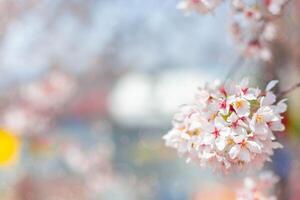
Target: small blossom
269 32
258 187
238 4
275 6
241 106
252 28
200 6
253 33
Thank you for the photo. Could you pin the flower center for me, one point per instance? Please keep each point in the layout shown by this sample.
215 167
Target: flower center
213 116
195 132
259 118
245 90
230 141
181 128
243 143
239 104
216 133
234 124
223 104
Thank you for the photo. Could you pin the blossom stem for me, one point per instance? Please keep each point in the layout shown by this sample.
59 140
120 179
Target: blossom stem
234 68
292 88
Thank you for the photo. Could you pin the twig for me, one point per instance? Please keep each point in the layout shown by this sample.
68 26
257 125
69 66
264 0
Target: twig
234 68
285 92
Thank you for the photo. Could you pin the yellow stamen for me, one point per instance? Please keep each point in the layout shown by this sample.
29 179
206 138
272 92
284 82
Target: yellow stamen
213 116
239 104
241 163
230 141
259 118
194 132
181 128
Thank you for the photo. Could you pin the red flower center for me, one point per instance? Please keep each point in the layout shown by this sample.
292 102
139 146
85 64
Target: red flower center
244 90
216 133
223 91
223 104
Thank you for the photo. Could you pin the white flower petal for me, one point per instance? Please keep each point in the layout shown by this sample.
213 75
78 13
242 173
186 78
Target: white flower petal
238 138
277 145
232 118
277 126
271 85
208 139
220 143
261 129
244 155
220 122
242 107
281 106
234 151
239 131
269 99
195 125
253 147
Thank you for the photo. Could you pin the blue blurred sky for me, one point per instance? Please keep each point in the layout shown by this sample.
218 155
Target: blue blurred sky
146 35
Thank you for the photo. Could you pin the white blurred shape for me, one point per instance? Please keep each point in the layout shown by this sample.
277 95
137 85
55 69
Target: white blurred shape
177 87
139 100
131 100
15 119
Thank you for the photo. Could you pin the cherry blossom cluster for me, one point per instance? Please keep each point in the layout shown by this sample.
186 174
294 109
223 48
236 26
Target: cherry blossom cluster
49 93
229 126
38 102
94 165
252 27
274 7
258 188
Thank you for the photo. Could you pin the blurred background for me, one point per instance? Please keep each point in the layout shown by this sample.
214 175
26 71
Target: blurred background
88 88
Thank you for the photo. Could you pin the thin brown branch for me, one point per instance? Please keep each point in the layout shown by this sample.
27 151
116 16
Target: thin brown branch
292 88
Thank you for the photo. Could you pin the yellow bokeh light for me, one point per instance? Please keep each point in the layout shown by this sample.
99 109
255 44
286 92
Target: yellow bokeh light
9 148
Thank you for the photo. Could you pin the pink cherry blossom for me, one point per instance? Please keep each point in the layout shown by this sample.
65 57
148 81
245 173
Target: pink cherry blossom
252 27
200 6
275 6
228 127
258 187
